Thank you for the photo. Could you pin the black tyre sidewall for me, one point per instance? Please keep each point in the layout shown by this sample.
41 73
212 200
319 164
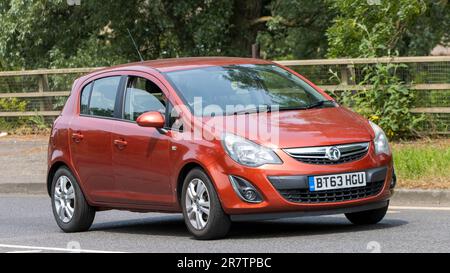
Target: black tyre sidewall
83 214
369 217
218 222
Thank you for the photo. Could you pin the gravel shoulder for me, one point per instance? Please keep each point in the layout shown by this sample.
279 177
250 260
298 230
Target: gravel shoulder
23 160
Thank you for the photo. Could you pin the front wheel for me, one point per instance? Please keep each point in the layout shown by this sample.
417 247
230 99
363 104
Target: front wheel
70 209
368 217
202 211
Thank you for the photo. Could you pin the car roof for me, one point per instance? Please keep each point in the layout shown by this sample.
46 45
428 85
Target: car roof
173 64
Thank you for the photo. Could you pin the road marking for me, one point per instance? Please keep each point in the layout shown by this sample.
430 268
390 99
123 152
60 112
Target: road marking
56 249
393 211
25 251
420 208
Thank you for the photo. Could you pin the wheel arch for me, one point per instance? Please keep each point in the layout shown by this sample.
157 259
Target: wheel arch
184 172
51 173
182 175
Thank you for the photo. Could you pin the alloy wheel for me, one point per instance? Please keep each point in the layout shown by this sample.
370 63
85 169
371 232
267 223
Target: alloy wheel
197 203
64 199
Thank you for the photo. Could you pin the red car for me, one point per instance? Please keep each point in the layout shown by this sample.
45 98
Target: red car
184 135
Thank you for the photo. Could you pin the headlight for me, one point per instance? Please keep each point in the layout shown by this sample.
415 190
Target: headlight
247 152
380 141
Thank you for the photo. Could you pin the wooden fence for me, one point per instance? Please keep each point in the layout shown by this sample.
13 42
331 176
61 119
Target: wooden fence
345 67
347 73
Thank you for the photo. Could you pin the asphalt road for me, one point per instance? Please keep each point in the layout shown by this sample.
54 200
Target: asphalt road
27 225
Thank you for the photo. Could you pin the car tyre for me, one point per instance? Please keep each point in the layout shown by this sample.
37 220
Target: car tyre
368 217
70 208
198 197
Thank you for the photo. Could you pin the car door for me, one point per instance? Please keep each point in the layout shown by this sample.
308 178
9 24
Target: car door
90 138
141 154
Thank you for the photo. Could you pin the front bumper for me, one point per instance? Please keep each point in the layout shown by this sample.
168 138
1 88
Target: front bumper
270 180
340 210
295 188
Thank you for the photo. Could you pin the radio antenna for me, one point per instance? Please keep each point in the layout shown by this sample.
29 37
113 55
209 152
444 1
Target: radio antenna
135 45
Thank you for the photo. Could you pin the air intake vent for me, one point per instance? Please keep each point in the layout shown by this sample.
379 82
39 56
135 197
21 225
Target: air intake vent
306 196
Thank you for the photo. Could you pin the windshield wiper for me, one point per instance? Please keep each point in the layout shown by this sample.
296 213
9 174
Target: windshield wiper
262 108
267 108
310 106
317 104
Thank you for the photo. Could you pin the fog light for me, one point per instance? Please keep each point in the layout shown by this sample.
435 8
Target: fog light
250 195
245 190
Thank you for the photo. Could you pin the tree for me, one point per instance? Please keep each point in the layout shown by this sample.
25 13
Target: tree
296 29
38 33
50 33
427 31
409 27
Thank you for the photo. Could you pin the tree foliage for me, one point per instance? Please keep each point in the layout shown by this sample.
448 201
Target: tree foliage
409 27
49 33
427 30
39 33
296 29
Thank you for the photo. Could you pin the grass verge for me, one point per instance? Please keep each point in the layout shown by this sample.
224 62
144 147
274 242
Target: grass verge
423 164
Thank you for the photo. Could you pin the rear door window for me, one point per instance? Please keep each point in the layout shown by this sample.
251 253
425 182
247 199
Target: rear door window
102 97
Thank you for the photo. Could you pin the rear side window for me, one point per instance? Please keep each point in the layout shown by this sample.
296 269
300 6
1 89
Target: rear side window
85 96
99 100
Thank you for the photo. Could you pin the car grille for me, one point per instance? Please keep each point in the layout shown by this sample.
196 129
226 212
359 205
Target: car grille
318 155
306 196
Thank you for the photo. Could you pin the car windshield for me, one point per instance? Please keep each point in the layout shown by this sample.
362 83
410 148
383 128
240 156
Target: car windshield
236 89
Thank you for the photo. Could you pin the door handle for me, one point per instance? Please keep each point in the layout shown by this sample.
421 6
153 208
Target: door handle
120 143
77 137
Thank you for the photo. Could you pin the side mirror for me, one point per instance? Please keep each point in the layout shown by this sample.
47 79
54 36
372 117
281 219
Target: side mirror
151 119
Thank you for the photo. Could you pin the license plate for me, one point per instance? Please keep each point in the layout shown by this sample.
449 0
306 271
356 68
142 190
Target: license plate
337 181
